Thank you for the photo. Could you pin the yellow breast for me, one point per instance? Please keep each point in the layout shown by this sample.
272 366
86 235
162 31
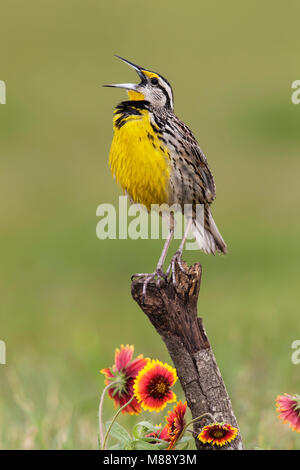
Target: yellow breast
140 161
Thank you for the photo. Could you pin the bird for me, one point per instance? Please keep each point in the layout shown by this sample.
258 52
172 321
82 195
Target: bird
156 159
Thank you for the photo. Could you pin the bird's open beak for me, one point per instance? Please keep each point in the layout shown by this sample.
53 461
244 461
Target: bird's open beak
130 86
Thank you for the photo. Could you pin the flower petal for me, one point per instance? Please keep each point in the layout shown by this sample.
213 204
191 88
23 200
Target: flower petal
123 356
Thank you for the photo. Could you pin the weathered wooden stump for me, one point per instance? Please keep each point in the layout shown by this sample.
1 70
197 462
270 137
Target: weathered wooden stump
173 313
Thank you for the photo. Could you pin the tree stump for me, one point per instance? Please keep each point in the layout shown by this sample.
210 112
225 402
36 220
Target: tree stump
173 313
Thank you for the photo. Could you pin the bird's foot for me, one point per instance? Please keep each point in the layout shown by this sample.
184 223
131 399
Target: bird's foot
177 258
158 276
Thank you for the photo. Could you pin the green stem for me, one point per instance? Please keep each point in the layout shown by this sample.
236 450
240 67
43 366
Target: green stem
114 420
101 434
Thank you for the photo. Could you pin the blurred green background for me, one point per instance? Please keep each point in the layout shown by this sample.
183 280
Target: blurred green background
65 295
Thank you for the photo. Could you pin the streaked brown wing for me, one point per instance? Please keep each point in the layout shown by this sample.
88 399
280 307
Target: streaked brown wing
196 158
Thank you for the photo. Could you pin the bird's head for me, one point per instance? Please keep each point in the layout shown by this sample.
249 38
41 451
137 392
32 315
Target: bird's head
153 88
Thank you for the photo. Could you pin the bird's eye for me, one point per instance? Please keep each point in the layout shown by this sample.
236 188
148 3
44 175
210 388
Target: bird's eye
154 81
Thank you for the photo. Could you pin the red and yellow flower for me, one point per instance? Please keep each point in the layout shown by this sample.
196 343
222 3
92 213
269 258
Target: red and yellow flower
175 425
152 386
288 407
122 375
176 422
218 434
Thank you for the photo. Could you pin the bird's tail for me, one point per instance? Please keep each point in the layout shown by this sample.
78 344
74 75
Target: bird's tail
207 235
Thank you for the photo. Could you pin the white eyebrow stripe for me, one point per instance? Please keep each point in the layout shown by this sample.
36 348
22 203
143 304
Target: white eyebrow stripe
169 90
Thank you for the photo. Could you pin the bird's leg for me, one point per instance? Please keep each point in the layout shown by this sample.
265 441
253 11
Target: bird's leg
164 252
178 254
158 274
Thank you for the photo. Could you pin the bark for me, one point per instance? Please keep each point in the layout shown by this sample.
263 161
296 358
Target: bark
173 313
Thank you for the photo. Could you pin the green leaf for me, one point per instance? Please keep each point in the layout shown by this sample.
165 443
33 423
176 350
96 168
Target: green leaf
130 445
143 445
183 445
147 424
186 439
139 431
118 432
142 428
116 447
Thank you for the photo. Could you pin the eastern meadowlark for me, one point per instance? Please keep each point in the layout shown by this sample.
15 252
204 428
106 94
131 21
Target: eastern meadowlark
157 160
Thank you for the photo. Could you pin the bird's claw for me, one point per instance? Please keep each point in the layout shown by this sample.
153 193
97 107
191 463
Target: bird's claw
158 275
176 258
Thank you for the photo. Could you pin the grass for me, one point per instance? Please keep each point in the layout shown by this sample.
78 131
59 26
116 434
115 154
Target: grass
61 314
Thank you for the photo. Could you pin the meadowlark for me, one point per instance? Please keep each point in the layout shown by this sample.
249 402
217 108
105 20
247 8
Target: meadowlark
157 160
